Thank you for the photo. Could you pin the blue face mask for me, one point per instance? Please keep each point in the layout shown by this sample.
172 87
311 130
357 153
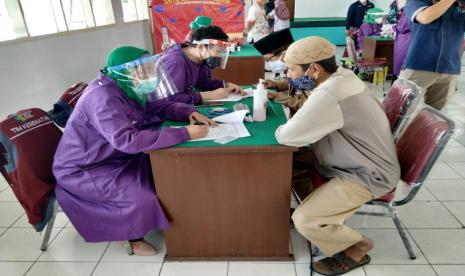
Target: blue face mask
304 83
146 86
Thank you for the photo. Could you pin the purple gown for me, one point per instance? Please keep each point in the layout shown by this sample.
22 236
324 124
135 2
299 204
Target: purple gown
187 75
367 30
104 180
401 43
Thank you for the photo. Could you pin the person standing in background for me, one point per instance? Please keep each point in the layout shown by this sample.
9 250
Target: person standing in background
401 40
269 7
440 25
281 16
257 26
355 15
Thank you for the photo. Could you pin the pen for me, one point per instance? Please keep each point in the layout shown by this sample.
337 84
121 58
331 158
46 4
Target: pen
197 122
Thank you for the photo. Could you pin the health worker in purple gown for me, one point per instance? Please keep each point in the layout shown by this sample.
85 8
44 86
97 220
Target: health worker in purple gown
104 180
190 66
372 23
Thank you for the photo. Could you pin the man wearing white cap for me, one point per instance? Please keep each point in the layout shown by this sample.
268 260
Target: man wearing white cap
352 146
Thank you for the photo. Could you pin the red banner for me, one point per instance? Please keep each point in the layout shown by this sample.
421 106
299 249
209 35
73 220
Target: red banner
171 18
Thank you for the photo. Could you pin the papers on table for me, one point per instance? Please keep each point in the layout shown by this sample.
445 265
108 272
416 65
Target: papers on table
231 118
224 130
234 97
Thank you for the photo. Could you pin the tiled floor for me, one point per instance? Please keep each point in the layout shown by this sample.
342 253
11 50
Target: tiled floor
435 222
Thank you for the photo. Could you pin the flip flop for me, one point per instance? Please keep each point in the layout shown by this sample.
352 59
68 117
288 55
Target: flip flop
340 264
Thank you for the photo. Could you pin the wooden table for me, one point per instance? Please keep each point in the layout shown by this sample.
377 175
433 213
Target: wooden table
379 47
227 202
243 67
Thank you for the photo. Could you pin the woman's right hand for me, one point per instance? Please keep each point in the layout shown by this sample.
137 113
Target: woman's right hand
270 84
217 94
196 131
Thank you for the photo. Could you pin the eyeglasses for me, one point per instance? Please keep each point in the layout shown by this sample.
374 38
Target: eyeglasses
280 57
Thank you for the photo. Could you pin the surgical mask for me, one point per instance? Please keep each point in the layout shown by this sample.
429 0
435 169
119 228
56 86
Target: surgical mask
379 20
275 66
213 62
304 83
147 86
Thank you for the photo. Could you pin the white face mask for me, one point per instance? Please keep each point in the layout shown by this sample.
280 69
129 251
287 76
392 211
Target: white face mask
379 20
275 66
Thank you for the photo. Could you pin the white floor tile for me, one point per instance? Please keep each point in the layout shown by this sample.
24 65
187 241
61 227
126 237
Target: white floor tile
458 167
60 221
61 268
125 269
116 253
9 213
441 246
22 244
442 171
70 246
299 247
194 269
399 270
389 248
457 209
2 230
453 155
8 195
450 270
304 270
3 184
447 189
14 268
260 269
424 214
454 144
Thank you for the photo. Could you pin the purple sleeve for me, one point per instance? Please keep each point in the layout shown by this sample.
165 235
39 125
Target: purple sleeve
186 97
403 25
110 119
205 82
172 111
361 34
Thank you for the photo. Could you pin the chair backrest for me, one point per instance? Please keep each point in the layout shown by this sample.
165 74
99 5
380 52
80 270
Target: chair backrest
419 147
351 51
28 140
63 108
400 102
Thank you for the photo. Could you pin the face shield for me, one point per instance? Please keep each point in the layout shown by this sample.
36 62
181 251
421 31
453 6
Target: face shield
217 52
145 77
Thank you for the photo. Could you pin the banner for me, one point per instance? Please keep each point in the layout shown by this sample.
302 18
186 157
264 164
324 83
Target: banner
171 18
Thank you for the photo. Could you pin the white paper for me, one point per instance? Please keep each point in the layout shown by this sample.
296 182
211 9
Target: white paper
231 118
235 97
223 130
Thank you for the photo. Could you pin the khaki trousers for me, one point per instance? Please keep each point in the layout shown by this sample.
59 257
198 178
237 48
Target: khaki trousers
320 217
438 87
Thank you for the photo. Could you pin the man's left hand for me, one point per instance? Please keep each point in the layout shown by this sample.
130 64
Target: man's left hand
234 88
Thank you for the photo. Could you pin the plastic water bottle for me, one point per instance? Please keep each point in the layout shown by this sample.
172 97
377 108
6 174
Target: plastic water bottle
259 102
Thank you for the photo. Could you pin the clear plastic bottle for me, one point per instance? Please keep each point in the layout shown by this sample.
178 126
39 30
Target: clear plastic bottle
259 102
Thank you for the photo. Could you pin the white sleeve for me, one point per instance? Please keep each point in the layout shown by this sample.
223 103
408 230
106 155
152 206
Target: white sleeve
319 116
252 14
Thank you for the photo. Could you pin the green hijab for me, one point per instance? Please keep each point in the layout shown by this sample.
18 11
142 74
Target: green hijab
371 15
122 55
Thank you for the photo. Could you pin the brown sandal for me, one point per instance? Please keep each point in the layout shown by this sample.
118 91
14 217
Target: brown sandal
339 264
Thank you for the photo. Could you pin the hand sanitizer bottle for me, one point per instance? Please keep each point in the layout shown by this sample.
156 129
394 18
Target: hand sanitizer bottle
259 102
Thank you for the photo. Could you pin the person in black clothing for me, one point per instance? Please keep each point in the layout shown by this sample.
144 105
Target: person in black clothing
355 15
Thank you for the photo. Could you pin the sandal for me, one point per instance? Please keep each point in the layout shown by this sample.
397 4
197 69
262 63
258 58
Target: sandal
339 264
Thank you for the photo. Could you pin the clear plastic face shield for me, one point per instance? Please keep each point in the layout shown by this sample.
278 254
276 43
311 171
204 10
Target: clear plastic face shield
146 77
217 52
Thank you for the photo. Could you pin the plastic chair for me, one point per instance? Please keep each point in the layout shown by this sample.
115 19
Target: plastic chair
400 102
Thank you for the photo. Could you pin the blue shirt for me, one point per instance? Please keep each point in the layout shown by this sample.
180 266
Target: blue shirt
435 47
356 13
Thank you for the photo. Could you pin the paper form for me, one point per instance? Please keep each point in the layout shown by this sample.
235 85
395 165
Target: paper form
223 130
